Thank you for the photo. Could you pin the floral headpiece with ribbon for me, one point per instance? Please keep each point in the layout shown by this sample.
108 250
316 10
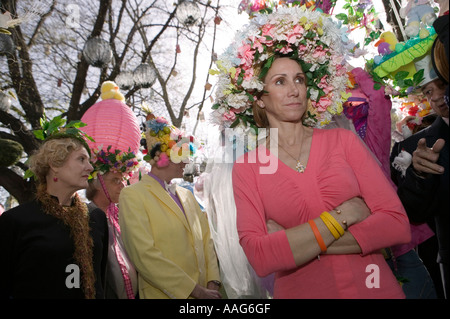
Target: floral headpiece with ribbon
166 142
309 37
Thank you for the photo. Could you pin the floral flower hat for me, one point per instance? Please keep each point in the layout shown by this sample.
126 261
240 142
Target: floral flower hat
114 161
166 142
310 37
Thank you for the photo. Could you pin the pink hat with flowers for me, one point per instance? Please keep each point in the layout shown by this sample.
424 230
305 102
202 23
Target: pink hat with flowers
115 129
306 35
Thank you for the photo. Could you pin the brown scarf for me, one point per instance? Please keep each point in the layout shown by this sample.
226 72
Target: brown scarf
77 219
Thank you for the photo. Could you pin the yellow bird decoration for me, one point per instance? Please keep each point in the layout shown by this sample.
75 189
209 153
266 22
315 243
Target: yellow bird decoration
387 43
110 90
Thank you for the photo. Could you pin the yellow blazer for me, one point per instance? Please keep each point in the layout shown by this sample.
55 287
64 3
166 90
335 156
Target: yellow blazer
170 251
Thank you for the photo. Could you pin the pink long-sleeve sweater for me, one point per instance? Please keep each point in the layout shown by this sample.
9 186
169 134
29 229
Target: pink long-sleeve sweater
339 167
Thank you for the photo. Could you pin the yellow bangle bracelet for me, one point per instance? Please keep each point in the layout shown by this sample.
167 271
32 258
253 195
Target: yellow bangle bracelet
335 223
330 226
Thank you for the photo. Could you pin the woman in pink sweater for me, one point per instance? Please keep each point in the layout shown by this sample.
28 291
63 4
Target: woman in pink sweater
313 206
339 170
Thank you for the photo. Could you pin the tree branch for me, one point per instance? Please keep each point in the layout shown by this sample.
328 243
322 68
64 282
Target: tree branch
82 68
40 24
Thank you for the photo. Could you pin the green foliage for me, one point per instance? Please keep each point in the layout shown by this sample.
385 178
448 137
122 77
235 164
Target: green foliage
266 67
374 35
55 126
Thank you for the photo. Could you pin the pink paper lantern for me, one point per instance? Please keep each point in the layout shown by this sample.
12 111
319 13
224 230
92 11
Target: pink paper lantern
112 122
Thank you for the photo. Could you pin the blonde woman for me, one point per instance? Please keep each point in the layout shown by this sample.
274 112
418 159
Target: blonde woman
51 247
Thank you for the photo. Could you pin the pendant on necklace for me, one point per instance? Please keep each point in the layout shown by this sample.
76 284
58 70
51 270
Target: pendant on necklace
299 167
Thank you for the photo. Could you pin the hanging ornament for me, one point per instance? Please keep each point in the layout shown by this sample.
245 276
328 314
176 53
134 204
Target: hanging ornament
188 13
144 75
125 80
97 52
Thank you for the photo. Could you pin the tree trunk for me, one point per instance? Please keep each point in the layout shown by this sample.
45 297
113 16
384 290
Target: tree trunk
19 188
74 112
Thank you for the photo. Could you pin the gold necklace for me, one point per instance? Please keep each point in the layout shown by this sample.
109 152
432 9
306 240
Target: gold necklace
299 167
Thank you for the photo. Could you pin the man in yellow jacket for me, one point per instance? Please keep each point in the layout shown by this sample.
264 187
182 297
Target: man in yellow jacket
165 233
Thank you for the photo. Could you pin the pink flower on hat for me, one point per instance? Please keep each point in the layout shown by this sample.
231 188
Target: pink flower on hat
257 44
229 116
245 53
258 5
324 85
160 119
286 49
163 160
248 74
267 31
295 33
319 52
323 104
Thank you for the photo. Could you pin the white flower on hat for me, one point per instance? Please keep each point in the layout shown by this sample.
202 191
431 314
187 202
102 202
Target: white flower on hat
237 100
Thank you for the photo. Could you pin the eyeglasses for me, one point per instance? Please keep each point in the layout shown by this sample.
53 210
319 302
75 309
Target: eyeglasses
116 181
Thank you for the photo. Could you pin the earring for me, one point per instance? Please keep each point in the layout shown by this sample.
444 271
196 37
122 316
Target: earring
55 179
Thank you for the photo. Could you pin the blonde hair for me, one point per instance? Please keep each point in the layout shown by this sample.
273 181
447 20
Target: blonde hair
52 152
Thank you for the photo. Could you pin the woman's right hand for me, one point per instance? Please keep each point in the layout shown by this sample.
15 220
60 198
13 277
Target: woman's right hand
353 211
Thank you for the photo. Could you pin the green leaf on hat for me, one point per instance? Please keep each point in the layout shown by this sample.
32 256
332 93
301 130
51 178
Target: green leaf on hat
418 76
235 123
401 75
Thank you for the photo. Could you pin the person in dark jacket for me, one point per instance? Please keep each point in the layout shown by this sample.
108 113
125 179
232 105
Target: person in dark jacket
423 183
51 247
